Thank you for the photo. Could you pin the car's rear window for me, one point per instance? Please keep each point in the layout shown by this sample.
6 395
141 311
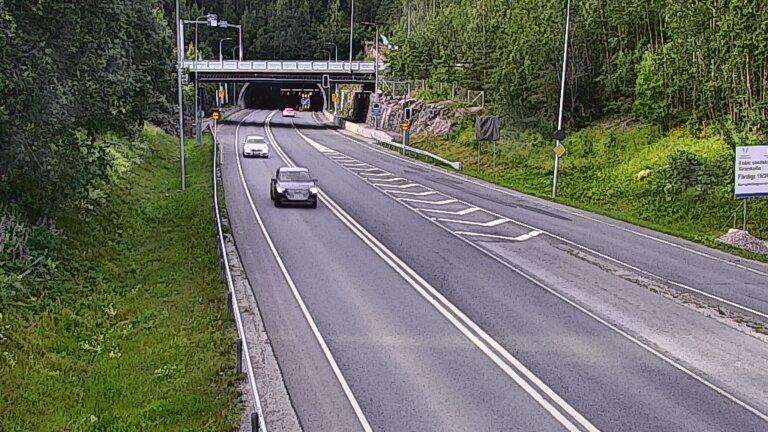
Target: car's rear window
255 140
294 176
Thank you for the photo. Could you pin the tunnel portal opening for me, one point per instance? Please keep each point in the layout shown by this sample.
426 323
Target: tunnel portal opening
283 95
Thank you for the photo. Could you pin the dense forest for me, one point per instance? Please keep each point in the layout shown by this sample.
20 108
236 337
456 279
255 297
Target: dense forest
663 61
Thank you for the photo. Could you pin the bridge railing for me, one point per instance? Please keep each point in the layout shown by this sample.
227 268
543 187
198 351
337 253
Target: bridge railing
284 66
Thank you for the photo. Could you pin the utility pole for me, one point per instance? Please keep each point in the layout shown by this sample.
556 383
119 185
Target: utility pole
560 136
351 32
179 61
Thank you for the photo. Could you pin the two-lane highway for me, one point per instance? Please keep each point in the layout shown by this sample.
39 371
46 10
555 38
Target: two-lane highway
389 307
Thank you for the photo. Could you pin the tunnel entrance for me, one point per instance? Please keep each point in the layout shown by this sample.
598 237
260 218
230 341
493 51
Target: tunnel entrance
259 95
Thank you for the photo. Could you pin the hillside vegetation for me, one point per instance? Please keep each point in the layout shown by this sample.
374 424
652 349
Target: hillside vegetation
129 330
676 181
658 94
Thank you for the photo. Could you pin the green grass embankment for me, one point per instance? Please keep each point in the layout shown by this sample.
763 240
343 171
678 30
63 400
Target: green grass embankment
675 182
131 332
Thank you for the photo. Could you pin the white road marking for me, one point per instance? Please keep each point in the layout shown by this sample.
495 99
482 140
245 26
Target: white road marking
335 367
519 238
354 164
389 180
552 291
557 209
319 147
492 223
484 342
413 193
367 169
375 174
443 202
405 186
466 211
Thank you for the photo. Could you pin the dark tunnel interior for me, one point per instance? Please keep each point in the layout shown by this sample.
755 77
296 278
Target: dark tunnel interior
280 95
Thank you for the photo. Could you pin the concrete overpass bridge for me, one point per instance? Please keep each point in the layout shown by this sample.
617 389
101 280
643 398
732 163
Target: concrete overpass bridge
279 83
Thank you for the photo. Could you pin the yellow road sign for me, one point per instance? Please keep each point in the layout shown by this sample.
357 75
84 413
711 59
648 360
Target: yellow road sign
216 115
405 126
335 98
559 150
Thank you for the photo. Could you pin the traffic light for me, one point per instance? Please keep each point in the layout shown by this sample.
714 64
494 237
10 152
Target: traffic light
326 81
408 113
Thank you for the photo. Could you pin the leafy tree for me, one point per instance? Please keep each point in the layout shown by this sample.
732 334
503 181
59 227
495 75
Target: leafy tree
650 102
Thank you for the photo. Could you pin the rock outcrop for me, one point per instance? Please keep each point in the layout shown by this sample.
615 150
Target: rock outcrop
438 118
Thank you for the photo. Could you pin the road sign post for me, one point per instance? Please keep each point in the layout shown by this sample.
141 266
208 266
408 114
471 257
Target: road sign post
216 116
487 128
376 113
750 175
560 132
406 128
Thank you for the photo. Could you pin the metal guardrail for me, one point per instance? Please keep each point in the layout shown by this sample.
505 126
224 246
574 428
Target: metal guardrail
282 66
257 419
377 137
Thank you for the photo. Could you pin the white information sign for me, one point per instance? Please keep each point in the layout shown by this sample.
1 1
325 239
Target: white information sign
751 172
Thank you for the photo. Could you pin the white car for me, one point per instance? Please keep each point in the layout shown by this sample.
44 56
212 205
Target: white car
289 112
255 146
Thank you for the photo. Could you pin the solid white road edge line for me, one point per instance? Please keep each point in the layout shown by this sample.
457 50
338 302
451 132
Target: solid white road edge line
457 317
336 370
584 310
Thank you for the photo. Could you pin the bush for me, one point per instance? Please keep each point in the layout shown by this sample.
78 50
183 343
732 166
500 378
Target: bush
687 173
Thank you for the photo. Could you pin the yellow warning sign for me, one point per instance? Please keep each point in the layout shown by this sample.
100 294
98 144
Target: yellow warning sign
559 150
335 98
216 115
405 126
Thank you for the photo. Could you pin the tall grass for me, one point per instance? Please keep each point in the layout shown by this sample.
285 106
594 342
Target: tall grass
130 333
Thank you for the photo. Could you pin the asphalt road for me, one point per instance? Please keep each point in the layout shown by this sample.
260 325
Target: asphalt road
403 301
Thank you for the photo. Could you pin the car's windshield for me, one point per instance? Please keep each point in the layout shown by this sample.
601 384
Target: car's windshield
294 176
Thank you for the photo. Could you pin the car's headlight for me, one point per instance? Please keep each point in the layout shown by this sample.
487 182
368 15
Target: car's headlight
313 190
280 189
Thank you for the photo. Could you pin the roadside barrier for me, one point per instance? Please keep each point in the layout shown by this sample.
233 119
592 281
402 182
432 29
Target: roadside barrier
382 138
241 345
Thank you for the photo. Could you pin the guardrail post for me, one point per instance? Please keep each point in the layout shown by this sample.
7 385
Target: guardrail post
239 353
254 422
230 308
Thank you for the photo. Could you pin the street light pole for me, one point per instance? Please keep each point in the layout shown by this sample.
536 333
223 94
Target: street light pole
336 48
351 32
556 174
179 53
221 53
376 61
198 131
